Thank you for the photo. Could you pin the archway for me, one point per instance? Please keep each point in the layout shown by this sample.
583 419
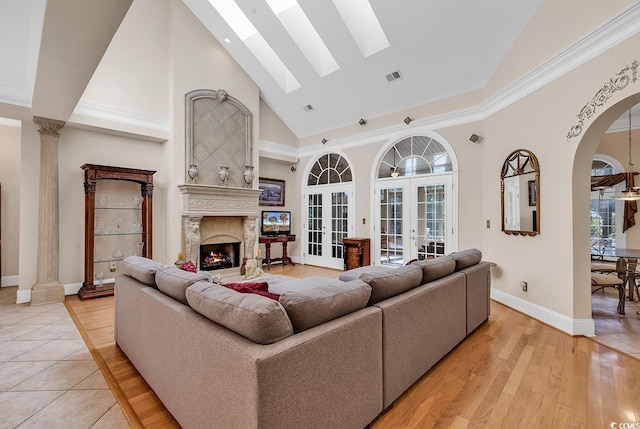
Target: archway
581 171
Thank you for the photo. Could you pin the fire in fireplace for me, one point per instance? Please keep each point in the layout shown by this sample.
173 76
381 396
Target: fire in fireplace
219 256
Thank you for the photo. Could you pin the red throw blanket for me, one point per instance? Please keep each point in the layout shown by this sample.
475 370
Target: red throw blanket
260 288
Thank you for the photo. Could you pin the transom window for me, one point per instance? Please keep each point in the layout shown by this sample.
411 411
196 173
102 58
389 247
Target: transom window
329 169
415 155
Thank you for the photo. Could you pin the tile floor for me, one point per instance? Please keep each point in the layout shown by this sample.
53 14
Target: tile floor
618 332
48 378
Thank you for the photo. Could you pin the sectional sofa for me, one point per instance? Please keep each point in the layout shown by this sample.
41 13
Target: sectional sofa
334 356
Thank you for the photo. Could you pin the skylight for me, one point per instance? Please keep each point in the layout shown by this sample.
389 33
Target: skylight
258 46
295 21
363 24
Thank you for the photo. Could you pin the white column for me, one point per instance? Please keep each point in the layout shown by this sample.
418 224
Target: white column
48 288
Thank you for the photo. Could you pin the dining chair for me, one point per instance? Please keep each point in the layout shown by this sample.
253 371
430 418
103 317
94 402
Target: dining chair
600 281
603 267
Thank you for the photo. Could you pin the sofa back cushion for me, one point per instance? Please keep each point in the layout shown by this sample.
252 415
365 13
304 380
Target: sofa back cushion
142 269
174 282
312 307
393 282
466 258
257 318
436 268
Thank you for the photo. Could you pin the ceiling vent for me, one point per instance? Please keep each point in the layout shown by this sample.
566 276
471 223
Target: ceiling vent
308 108
393 76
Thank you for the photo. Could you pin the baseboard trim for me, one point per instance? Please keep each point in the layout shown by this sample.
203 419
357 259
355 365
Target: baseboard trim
23 296
559 321
10 281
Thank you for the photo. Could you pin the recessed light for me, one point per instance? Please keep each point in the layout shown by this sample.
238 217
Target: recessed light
227 40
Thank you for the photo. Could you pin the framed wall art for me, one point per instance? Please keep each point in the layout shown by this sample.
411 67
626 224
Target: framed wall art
272 192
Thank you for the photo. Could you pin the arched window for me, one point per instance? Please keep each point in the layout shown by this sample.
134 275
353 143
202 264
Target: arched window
329 169
413 156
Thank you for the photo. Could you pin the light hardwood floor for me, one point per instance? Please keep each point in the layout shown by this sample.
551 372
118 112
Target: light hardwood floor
512 372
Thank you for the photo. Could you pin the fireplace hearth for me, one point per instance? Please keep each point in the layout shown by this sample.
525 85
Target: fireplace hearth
219 256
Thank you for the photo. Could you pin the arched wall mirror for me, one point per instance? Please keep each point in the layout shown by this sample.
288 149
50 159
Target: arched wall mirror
520 194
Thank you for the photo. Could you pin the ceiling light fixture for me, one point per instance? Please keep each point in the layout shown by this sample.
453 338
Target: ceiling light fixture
227 40
407 120
362 122
631 192
324 141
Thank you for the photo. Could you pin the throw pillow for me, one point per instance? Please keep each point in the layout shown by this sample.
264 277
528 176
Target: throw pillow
393 282
174 282
312 307
259 288
188 266
259 319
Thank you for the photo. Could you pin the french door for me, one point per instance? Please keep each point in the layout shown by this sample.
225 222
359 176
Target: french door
414 219
328 219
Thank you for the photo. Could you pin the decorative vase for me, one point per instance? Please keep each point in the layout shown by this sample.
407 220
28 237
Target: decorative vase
224 174
193 172
248 175
99 277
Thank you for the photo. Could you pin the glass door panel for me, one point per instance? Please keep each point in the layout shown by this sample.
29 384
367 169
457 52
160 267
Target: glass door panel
391 237
328 223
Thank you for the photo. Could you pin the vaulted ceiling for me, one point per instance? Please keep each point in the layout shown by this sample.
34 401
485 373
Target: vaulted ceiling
438 48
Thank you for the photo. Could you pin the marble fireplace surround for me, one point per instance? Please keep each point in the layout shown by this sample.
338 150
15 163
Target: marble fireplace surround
218 214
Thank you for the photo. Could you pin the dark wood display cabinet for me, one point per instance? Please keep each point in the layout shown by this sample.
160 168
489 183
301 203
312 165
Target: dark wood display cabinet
356 252
118 213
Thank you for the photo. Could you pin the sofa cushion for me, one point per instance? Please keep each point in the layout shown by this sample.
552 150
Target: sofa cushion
142 269
174 282
436 268
259 319
357 272
305 283
466 258
393 282
312 307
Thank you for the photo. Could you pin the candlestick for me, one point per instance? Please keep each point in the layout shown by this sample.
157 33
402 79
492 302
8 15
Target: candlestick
259 252
179 256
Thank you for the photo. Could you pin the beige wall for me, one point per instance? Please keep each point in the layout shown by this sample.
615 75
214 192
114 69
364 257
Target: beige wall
272 129
273 169
10 200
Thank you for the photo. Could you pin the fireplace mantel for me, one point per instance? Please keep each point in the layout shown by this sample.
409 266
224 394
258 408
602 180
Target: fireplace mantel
206 202
210 200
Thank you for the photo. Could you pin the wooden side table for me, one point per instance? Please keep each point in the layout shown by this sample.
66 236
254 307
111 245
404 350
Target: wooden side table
267 240
356 252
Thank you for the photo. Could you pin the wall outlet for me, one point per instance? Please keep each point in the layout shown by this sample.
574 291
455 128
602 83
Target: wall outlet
524 286
112 266
488 224
364 221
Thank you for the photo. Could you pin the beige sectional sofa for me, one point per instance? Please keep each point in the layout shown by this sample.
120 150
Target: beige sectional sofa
334 356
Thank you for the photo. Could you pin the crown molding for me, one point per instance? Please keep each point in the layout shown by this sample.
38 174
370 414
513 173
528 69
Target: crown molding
100 111
277 151
10 122
616 31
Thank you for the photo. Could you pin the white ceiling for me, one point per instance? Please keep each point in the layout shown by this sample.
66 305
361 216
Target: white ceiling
439 50
441 47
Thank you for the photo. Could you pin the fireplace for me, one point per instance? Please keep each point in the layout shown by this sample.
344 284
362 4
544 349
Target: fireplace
219 256
218 214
